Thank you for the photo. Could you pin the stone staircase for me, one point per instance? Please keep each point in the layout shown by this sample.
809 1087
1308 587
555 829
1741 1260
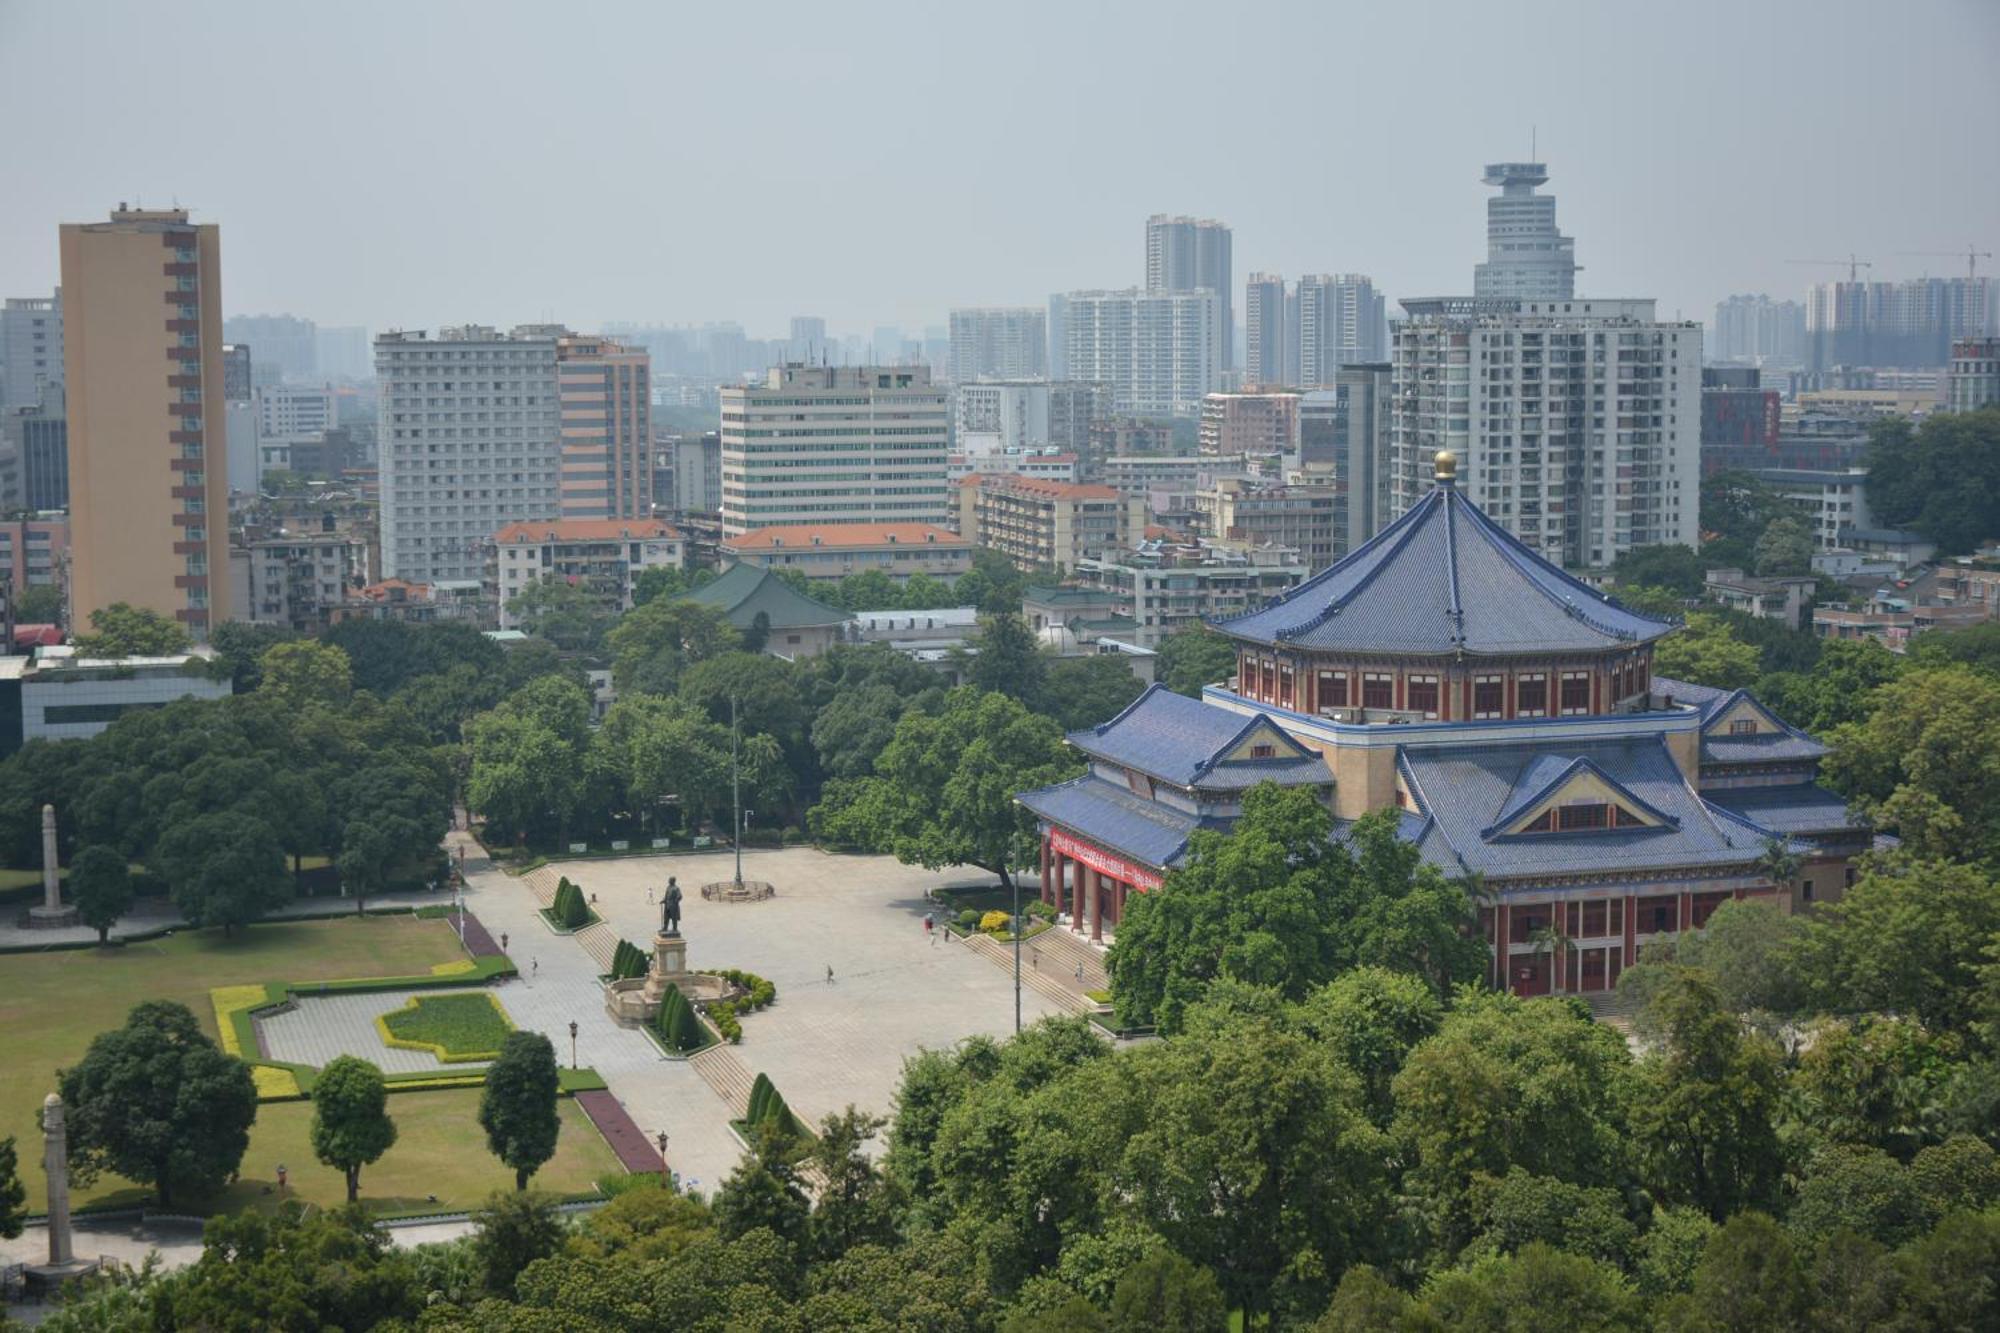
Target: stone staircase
727 1076
1061 989
600 941
1064 951
541 882
1613 1009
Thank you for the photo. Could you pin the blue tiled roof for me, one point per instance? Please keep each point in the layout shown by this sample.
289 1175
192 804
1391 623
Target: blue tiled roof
1763 748
1796 808
1544 774
1465 789
1119 819
1706 698
1181 740
1445 578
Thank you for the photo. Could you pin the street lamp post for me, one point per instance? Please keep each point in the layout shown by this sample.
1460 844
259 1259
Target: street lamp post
572 1043
736 790
1017 954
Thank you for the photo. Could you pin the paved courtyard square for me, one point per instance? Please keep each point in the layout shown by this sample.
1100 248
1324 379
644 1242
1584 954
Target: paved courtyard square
320 1027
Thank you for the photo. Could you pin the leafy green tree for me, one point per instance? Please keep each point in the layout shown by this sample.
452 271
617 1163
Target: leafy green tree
943 793
1676 569
1926 762
1876 1080
851 731
1510 1082
1706 652
100 884
1365 1302
223 869
1975 646
1193 657
1749 1278
351 1125
666 748
1959 1175
124 630
1567 1291
763 1192
1707 1101
511 1231
766 691
1518 1209
262 1271
1372 1017
240 646
386 655
38 604
1838 687
300 673
1864 1189
157 1102
526 779
652 645
1909 937
1084 691
854 1206
870 590
391 813
1277 902
1785 548
1737 508
1946 1278
517 1109
1746 949
1940 477
13 1195
1672 1249
1167 1293
921 592
571 615
663 582
1009 660
642 1225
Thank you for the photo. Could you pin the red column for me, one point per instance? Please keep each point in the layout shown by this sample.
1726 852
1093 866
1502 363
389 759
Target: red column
1093 891
1684 914
1503 930
1045 869
1631 929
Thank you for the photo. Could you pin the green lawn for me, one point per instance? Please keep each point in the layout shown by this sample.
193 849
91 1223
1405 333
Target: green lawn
457 1027
440 1149
52 1004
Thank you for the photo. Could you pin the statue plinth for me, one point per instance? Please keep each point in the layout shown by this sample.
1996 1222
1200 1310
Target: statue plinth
670 952
636 1000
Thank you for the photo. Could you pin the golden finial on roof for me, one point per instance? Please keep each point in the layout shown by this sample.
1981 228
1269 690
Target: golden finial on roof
1445 465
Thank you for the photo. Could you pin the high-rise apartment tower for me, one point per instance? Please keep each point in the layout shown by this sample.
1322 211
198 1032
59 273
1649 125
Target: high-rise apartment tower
1190 254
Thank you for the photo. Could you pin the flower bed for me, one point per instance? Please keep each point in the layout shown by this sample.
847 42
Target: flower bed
455 1028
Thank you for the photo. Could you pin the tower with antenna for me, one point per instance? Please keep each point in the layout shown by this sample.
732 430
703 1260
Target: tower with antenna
1527 258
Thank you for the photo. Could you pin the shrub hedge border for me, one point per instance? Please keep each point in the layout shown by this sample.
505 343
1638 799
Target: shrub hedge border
443 1054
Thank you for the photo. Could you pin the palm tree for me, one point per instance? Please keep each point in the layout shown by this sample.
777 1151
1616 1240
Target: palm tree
1548 939
1779 863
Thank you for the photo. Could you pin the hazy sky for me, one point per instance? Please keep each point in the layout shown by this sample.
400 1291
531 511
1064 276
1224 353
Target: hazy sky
411 164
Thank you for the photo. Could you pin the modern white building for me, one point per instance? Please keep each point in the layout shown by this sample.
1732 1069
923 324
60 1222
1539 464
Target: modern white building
1833 500
1155 349
835 444
1759 331
31 348
1165 586
1526 257
1265 344
999 342
468 438
1576 423
697 462
1193 254
56 695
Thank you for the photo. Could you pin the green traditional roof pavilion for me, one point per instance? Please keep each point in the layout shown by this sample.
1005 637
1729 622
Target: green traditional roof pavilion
743 590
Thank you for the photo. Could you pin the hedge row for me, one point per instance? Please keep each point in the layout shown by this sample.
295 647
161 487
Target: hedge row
676 1024
767 1105
628 960
759 991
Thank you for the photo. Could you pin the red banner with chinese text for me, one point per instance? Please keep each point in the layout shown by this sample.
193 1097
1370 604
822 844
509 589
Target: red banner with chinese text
1117 867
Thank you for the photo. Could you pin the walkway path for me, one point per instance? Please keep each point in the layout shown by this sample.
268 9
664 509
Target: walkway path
151 915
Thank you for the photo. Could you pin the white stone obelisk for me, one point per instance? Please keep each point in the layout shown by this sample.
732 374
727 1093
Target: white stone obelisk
55 1165
51 912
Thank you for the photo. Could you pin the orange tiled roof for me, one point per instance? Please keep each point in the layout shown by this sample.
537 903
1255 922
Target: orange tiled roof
584 530
837 536
1061 490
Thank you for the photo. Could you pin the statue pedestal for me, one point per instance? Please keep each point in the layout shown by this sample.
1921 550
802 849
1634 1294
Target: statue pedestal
670 954
44 917
636 1000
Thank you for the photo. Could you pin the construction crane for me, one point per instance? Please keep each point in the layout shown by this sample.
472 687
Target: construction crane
1972 257
1853 265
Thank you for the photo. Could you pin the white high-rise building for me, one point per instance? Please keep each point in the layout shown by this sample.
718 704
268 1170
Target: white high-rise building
1155 349
1340 323
1759 330
1017 411
1264 329
999 343
1577 423
1526 257
469 441
31 348
1190 254
835 444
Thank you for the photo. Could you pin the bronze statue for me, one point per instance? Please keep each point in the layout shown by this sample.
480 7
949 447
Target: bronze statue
670 908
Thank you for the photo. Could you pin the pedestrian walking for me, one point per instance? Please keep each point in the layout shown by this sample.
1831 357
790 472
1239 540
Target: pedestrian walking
535 968
649 895
1036 954
1079 974
829 974
928 923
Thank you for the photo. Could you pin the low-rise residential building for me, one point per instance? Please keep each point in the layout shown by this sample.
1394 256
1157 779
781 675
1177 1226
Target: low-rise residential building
1767 599
56 695
1834 499
1250 423
1903 549
34 552
981 453
417 603
603 555
1893 628
1304 517
835 550
297 580
1045 524
1163 586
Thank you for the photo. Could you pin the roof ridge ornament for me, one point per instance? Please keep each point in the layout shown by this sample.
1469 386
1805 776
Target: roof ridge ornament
1444 466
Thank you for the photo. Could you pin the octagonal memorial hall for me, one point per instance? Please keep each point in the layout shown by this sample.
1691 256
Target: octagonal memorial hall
1509 712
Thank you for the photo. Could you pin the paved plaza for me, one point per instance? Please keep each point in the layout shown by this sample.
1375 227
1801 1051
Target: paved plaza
320 1027
825 1045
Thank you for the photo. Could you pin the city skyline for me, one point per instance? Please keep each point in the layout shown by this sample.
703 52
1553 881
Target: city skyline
1683 205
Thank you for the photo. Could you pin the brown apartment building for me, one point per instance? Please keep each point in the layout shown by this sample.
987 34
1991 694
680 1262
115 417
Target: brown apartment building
148 473
606 398
1041 524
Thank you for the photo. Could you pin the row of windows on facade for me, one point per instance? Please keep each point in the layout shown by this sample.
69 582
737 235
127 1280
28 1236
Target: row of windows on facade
1274 683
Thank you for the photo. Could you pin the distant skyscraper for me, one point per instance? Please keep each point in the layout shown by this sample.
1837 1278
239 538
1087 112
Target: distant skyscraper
1526 257
1345 430
449 480
1185 254
148 464
236 381
37 449
286 342
999 343
1155 349
808 341
1581 458
1907 324
1264 360
1340 322
606 392
343 353
835 444
1760 330
31 348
